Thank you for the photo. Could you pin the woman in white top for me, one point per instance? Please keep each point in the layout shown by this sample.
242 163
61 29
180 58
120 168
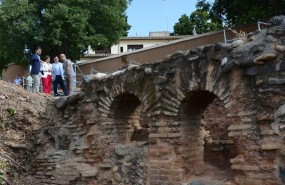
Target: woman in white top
46 75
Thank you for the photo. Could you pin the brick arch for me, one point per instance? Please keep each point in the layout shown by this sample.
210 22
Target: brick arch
128 119
126 102
126 113
147 93
230 92
205 147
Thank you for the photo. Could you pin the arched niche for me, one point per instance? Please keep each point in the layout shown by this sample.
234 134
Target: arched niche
128 120
205 147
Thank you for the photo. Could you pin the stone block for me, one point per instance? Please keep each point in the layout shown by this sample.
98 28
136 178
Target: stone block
275 81
158 135
161 123
154 180
105 165
181 95
170 103
267 132
281 111
160 164
246 120
175 124
163 178
239 127
160 152
104 106
265 57
233 134
237 160
103 111
167 113
270 146
169 108
154 172
244 167
256 175
230 104
117 177
61 102
280 66
175 135
246 113
105 101
254 70
176 173
246 181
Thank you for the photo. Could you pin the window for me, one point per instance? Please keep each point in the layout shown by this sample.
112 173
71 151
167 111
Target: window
134 47
121 49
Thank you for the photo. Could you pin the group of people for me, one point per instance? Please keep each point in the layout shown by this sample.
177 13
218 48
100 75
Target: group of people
56 73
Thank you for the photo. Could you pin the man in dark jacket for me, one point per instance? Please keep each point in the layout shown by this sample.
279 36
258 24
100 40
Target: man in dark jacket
36 66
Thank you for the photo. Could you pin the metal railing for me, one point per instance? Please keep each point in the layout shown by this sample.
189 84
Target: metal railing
259 23
29 86
134 62
93 71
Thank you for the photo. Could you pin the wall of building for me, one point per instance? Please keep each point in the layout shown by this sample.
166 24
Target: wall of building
150 54
116 49
10 73
154 54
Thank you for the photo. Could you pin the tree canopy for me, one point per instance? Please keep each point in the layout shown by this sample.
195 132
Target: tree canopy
67 26
237 12
224 13
200 19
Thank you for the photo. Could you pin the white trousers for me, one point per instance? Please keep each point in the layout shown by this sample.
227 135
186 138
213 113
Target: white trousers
36 87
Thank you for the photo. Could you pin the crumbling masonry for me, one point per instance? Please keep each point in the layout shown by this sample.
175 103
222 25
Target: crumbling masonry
212 115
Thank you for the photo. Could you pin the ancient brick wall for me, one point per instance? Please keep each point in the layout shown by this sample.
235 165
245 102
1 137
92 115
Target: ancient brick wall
210 115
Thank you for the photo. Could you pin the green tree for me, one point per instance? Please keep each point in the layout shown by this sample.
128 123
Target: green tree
200 19
18 28
237 12
67 26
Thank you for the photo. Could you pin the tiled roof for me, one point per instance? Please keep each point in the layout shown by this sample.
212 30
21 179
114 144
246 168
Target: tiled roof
155 38
98 55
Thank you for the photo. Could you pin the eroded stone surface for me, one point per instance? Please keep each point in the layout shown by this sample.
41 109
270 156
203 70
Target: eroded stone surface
211 115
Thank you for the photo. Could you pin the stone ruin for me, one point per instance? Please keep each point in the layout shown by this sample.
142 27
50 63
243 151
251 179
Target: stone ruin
214 115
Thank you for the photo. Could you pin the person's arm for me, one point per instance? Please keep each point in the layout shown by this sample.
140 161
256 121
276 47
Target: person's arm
69 65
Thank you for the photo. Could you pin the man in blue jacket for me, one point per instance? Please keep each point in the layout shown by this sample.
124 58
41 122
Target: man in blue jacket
58 76
36 66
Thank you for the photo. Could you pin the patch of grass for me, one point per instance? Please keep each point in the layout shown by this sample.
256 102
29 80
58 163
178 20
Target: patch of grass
12 111
3 165
5 126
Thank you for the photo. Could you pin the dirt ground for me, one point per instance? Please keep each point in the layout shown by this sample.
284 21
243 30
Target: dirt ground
22 116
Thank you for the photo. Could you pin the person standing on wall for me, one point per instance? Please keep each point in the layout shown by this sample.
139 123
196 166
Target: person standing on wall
58 76
47 75
69 74
36 66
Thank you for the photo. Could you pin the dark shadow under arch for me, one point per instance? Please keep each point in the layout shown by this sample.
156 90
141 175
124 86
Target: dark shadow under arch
205 143
126 113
